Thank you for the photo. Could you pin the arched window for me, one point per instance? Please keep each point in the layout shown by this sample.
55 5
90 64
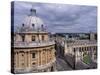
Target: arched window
33 55
23 24
22 64
23 38
22 54
33 38
43 37
33 63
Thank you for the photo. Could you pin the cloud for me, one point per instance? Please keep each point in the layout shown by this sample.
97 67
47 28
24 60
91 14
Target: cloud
60 17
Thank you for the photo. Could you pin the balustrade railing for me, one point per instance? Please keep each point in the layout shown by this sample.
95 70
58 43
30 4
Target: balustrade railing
33 44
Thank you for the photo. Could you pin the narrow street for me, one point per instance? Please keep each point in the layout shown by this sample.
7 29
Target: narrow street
62 65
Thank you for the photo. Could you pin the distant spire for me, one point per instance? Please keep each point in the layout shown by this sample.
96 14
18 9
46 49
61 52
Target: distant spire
33 11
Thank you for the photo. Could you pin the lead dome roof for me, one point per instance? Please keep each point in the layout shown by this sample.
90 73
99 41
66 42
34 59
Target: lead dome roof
32 23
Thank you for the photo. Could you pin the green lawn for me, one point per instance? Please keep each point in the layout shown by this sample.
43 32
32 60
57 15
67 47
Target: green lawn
86 59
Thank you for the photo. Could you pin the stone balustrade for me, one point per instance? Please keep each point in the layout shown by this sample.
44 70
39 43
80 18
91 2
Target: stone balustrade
33 44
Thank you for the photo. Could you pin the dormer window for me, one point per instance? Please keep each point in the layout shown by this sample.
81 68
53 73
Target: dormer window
42 27
33 25
23 24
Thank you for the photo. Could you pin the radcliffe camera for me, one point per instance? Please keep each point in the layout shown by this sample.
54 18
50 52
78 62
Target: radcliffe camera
49 37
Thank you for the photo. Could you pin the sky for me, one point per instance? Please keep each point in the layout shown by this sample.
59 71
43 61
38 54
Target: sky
63 18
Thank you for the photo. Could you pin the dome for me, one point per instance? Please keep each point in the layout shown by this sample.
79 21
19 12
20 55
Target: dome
33 22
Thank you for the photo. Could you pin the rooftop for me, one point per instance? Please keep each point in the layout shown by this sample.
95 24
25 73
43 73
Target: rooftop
81 43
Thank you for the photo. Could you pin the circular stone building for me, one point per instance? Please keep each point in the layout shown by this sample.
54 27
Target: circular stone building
32 49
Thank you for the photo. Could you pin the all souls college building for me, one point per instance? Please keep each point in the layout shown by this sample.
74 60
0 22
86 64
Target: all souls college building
32 49
83 52
79 53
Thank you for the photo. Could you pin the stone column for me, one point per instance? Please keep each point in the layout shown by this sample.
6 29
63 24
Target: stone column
46 56
82 55
93 53
83 52
77 55
15 59
41 57
25 58
18 59
90 52
38 57
29 59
